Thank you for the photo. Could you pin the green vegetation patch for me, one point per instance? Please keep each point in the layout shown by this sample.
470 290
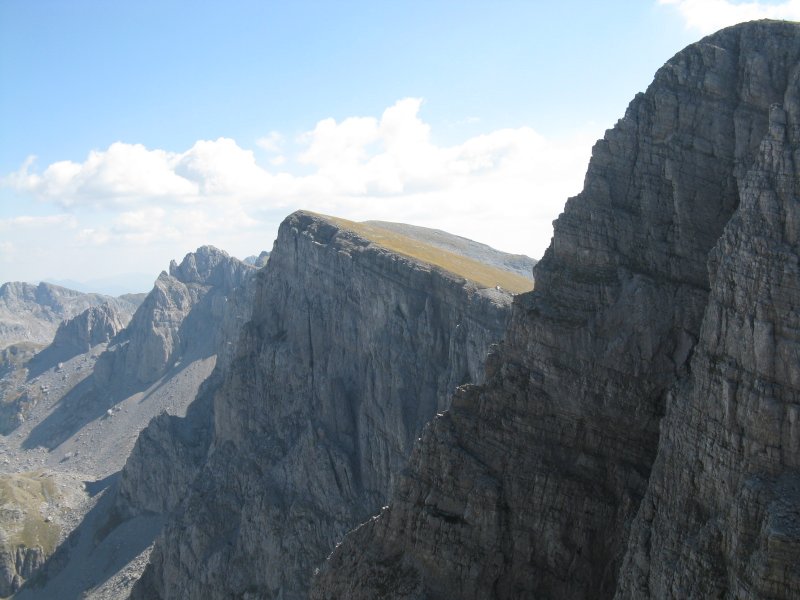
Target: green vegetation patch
483 275
23 518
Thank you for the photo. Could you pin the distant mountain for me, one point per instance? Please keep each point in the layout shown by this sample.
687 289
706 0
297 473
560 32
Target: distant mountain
73 411
257 261
32 313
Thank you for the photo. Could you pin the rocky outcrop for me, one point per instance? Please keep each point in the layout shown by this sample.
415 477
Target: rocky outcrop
78 335
17 565
532 485
33 507
169 452
721 517
19 394
95 325
32 313
257 261
350 350
172 324
166 458
189 321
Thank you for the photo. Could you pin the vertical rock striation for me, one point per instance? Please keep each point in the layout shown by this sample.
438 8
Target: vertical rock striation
350 350
530 485
721 517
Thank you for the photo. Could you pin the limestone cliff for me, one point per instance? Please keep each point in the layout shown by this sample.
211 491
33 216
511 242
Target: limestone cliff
671 285
78 335
89 412
172 323
721 517
32 313
20 367
351 349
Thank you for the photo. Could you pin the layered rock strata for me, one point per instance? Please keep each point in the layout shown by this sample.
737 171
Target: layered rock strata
721 516
532 485
350 350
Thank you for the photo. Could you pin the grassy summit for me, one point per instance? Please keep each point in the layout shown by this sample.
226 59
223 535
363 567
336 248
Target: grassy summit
483 275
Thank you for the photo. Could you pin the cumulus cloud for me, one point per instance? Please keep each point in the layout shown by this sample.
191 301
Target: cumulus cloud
707 16
503 187
124 173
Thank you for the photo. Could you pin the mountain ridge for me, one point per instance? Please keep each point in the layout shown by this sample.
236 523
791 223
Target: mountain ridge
355 346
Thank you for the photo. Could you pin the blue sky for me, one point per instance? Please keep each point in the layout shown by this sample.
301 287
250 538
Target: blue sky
133 132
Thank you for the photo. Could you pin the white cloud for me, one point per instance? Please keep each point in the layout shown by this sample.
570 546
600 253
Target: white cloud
122 174
90 236
707 16
503 188
222 169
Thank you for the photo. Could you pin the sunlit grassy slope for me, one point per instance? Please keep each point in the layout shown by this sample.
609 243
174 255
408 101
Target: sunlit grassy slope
483 275
22 496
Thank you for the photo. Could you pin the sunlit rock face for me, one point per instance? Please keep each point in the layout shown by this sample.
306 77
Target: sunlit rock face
637 434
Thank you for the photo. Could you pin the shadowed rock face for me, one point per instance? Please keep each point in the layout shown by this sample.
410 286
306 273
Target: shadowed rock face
350 350
671 285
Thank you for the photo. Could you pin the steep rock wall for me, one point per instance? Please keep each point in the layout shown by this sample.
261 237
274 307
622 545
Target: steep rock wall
173 321
351 349
529 485
721 517
168 453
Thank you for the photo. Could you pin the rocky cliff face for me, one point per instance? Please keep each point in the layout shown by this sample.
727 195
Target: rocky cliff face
84 415
95 325
721 516
172 324
671 285
20 365
351 349
32 313
171 449
78 335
